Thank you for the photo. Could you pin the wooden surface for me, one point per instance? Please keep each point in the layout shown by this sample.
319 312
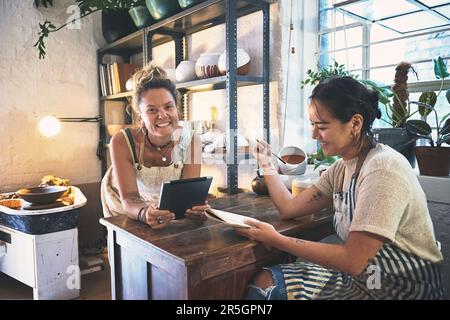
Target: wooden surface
210 261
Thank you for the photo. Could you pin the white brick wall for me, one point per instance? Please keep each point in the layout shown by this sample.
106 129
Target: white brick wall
64 84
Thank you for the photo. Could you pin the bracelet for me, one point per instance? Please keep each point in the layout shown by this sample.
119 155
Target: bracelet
267 171
141 214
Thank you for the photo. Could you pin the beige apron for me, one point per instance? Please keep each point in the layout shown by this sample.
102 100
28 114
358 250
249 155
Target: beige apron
148 179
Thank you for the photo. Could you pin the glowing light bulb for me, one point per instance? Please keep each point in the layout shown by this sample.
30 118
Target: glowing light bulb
49 126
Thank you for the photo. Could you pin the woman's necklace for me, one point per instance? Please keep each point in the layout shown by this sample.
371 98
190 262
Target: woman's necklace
161 149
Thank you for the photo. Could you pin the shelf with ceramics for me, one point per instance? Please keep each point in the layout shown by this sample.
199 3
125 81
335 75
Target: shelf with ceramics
203 15
217 83
209 72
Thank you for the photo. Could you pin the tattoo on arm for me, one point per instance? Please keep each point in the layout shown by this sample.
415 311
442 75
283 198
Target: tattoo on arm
316 197
297 241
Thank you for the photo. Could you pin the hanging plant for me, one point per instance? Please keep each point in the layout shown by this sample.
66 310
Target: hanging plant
86 8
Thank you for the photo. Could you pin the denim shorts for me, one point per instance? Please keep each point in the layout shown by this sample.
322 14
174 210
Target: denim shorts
276 292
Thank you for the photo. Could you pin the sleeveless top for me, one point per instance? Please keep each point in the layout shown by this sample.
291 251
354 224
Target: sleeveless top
148 179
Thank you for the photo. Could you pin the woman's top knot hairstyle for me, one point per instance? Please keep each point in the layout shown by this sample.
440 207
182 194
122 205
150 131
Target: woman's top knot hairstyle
151 77
344 97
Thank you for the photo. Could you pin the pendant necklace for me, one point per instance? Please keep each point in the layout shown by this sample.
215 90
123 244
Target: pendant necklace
161 149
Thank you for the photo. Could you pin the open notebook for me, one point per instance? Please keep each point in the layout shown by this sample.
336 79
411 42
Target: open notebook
232 219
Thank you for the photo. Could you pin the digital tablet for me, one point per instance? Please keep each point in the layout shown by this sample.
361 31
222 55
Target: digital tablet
179 195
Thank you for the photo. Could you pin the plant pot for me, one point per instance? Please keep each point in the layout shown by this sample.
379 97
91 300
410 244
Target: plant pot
188 3
399 139
433 161
116 24
161 9
141 17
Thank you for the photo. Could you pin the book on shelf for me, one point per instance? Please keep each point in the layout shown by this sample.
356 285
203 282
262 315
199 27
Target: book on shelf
102 80
232 219
114 76
122 72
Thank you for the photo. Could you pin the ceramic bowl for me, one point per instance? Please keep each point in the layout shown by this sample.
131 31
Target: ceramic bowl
42 195
141 17
292 155
207 65
161 9
185 71
243 62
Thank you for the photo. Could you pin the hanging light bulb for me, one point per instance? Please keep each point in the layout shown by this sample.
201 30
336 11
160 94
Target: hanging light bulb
49 126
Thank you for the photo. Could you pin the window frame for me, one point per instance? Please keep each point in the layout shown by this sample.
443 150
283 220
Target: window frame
365 70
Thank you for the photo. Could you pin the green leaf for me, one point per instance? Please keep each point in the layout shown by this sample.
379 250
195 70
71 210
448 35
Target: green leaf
429 98
440 68
444 139
418 127
445 128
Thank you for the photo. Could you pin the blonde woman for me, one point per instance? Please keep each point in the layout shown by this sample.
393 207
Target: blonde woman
159 150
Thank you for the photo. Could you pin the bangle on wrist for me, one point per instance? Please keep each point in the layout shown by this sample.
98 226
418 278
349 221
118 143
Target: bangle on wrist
141 214
267 171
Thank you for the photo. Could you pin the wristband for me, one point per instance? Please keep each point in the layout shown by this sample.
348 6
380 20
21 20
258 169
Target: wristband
141 214
267 171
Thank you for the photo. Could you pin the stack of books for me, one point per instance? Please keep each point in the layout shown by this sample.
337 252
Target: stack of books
113 77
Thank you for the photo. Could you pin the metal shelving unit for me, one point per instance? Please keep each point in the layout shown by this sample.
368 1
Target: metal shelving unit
175 28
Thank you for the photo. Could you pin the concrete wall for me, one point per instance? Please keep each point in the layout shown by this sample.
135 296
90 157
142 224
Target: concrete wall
64 85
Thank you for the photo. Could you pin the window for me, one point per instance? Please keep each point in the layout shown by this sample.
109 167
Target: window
373 49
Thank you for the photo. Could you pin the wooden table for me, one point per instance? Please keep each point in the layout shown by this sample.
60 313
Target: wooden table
210 261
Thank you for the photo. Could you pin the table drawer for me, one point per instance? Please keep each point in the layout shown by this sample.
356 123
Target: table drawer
17 260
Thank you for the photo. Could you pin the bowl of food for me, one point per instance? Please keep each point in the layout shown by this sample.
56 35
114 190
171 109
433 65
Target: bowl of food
42 195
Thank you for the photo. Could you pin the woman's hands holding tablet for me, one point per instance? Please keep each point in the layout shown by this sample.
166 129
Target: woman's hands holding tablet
197 213
158 219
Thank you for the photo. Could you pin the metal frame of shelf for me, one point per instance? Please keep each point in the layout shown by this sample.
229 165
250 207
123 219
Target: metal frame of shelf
175 28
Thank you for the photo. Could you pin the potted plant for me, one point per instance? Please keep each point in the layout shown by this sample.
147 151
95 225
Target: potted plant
433 160
320 159
117 18
397 111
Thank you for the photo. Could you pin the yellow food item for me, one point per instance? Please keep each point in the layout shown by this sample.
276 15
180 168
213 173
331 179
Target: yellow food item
68 198
54 181
11 203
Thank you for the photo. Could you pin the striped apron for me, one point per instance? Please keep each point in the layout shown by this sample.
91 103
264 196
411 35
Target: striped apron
392 273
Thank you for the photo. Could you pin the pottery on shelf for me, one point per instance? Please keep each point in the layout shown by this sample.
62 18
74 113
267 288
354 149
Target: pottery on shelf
141 17
207 65
116 24
161 9
188 3
185 71
242 63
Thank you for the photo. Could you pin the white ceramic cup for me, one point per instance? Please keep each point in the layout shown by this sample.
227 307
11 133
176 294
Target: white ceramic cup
292 168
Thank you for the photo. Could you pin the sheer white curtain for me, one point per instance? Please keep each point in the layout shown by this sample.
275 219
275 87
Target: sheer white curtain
298 53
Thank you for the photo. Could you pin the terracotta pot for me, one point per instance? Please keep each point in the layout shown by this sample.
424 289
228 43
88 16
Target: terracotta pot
433 161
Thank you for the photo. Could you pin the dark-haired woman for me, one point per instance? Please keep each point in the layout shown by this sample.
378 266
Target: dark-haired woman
388 249
159 150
